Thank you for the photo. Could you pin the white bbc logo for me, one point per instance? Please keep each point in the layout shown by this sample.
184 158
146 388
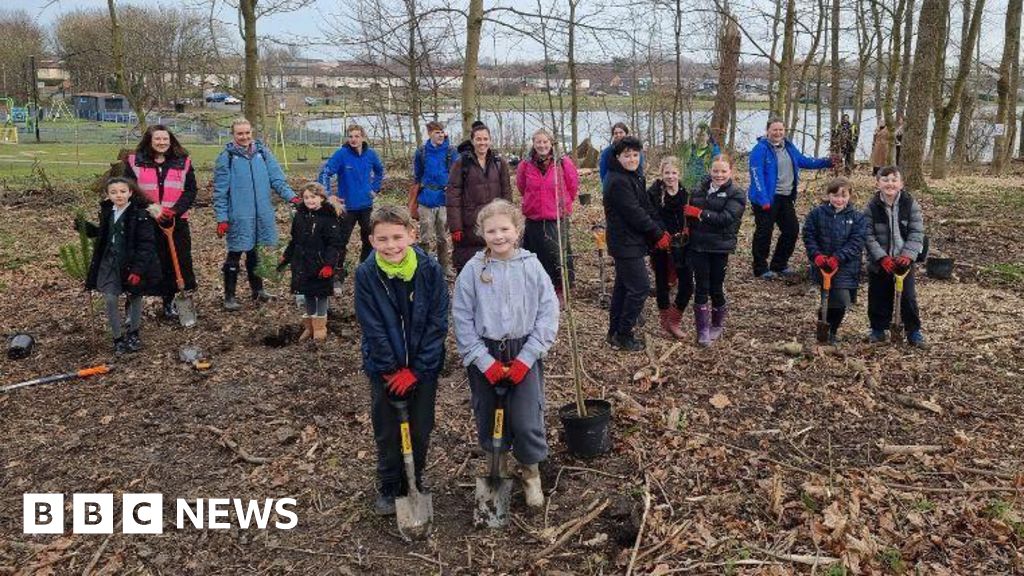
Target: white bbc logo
93 513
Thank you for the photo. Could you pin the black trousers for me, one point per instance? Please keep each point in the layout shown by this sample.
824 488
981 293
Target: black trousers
782 214
390 470
882 297
541 238
628 295
348 225
662 260
709 277
252 260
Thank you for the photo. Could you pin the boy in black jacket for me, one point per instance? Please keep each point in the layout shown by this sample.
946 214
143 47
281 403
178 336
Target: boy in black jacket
402 306
633 228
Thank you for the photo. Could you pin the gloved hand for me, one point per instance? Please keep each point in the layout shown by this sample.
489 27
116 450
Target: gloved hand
517 371
134 279
456 236
821 261
296 200
887 264
494 372
401 383
833 262
903 264
166 214
222 229
326 272
692 211
663 242
766 207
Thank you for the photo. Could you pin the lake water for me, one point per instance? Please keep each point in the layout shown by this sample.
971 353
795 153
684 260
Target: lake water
511 129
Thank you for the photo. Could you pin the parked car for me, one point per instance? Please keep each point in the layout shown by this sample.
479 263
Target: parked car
232 100
217 96
311 101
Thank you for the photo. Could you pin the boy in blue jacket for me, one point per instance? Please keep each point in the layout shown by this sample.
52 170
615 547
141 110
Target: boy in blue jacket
834 235
359 173
775 165
430 167
402 305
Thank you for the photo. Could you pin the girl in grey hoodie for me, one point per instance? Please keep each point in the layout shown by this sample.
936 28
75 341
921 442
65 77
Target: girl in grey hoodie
506 318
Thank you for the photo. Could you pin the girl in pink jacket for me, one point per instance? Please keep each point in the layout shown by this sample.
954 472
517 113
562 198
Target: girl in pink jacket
549 185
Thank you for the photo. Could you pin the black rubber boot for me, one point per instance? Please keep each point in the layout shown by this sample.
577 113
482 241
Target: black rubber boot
256 284
230 284
132 341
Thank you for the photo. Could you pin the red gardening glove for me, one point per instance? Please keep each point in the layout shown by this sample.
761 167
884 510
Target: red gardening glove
903 264
166 214
326 272
821 261
663 242
456 236
296 200
833 262
401 383
517 371
888 264
766 207
494 372
222 229
134 279
692 211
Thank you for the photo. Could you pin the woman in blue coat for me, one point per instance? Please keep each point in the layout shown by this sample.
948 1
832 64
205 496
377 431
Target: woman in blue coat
245 173
834 235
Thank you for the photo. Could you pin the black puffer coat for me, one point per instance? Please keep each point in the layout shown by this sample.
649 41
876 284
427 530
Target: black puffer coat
721 213
140 247
632 221
670 208
315 242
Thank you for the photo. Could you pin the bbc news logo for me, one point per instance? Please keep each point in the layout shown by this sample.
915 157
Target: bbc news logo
144 513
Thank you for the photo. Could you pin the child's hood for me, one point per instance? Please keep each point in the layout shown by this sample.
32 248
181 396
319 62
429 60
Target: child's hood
522 255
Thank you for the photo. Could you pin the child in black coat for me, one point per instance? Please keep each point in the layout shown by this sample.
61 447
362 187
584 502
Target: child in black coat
124 259
312 250
669 197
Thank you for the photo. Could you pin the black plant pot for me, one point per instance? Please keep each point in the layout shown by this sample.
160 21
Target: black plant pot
939 268
585 199
589 436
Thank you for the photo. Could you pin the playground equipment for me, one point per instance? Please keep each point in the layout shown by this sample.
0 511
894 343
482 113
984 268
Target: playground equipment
9 131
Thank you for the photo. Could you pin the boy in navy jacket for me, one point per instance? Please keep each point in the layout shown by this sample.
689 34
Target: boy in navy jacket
401 301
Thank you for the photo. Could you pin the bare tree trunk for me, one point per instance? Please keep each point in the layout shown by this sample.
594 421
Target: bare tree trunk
930 43
817 104
773 64
876 20
834 103
806 64
944 114
474 25
415 102
908 35
728 70
1007 99
573 79
677 29
132 93
891 75
864 46
1011 110
786 65
252 105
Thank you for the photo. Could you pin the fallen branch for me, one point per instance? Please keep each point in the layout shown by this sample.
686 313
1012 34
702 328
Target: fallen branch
234 447
572 531
941 490
806 559
440 564
96 556
601 472
896 449
911 402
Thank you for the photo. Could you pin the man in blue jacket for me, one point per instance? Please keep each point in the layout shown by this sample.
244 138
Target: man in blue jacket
430 167
359 173
775 165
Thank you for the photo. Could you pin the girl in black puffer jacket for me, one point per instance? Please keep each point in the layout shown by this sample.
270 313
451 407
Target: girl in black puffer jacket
312 252
669 198
124 259
715 213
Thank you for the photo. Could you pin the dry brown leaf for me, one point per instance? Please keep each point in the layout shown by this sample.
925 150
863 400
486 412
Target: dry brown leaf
720 401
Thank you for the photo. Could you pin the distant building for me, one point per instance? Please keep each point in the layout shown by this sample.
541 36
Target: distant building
102 106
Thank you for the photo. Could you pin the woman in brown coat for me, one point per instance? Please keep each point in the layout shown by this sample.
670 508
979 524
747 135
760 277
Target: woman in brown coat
879 149
475 179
